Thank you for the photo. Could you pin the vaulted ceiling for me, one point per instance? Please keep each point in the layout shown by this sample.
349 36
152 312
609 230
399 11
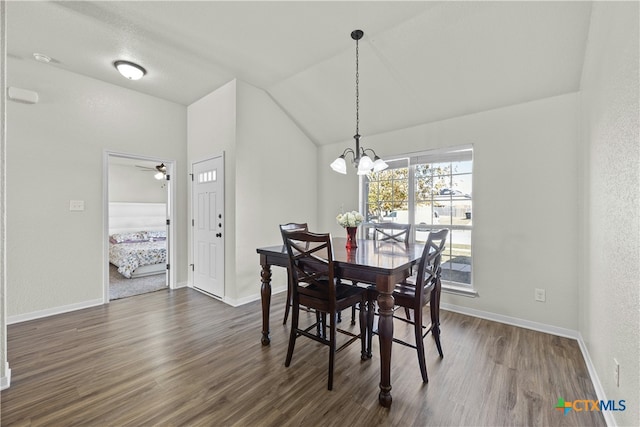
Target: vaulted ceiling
420 61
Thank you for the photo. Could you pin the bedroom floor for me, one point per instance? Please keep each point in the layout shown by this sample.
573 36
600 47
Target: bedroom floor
121 287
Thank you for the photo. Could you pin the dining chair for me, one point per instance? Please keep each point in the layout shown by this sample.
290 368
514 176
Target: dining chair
315 285
415 292
290 226
391 232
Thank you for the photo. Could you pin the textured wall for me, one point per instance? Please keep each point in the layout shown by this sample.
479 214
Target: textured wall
56 150
262 147
276 183
525 183
211 131
609 293
3 156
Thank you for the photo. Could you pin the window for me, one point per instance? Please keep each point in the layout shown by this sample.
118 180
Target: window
431 190
207 176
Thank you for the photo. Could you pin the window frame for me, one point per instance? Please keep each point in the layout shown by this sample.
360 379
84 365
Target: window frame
443 155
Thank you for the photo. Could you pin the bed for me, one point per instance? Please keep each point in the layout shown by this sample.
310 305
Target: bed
137 238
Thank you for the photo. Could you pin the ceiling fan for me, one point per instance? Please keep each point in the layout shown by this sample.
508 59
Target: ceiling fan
160 170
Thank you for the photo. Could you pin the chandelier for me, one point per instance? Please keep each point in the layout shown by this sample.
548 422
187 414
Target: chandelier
361 160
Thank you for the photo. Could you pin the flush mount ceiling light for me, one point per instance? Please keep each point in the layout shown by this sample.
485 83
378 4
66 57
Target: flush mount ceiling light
41 57
130 70
361 160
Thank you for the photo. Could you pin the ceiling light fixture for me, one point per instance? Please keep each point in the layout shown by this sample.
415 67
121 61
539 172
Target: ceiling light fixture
360 158
41 57
130 70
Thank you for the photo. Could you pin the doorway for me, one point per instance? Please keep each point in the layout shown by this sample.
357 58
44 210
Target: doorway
138 226
208 233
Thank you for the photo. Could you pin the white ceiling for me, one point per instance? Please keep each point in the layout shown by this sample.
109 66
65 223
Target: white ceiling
419 61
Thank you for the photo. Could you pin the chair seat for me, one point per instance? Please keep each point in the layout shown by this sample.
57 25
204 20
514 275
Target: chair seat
407 289
346 296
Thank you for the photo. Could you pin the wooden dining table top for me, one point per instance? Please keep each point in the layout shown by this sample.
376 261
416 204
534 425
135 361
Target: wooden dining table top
372 256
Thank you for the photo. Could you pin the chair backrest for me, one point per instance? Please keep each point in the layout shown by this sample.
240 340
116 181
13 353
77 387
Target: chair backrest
311 266
429 269
294 226
391 232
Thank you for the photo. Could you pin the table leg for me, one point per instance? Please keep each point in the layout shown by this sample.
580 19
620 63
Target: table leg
265 293
385 334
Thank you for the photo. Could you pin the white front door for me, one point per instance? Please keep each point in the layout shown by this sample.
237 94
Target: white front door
208 225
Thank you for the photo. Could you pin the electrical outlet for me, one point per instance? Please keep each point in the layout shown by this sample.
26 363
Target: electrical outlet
76 205
540 295
616 372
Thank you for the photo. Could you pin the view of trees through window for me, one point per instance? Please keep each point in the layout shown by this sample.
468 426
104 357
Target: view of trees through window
431 192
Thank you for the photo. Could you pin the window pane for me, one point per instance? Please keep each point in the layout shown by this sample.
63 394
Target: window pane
388 193
461 186
456 267
441 169
426 214
462 167
461 199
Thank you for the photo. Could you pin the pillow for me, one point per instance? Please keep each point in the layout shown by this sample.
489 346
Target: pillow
157 235
138 236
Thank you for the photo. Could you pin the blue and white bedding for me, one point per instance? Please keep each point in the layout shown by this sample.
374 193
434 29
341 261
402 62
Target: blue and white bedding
128 251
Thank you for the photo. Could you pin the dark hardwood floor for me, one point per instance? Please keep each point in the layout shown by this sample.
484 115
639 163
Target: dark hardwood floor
182 358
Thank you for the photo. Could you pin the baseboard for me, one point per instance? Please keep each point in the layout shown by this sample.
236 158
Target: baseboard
5 381
238 302
595 380
53 311
527 324
251 298
181 285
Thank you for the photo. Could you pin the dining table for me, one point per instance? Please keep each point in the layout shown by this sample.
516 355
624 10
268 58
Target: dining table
372 262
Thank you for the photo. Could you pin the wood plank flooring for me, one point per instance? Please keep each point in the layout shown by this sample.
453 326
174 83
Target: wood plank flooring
180 358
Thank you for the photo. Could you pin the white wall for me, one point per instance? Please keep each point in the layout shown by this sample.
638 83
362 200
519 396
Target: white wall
261 146
525 211
55 154
128 183
211 131
609 293
276 183
5 371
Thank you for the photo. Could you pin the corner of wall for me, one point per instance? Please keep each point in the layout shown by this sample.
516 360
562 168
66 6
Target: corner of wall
5 372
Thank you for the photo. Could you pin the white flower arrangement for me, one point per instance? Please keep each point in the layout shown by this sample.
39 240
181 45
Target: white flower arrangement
350 219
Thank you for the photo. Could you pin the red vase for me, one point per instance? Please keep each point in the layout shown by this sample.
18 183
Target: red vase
351 238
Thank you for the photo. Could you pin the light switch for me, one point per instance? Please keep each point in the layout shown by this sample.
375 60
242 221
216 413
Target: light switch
76 205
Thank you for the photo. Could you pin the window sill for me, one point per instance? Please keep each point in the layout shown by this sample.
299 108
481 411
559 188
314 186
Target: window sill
465 291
